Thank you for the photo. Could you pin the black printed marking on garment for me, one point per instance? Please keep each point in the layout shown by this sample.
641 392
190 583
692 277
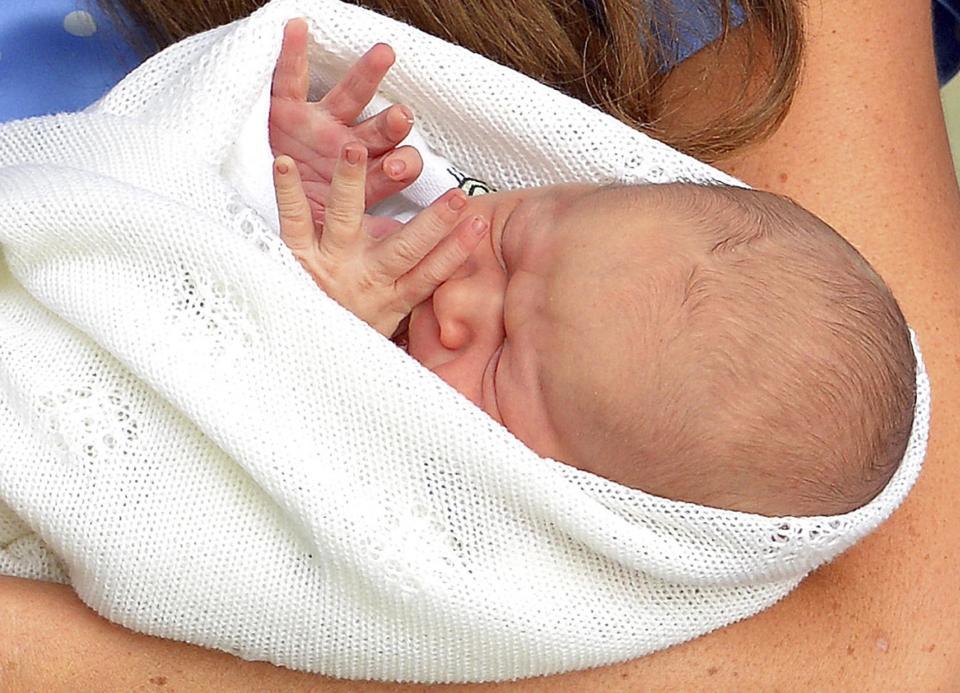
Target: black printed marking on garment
471 186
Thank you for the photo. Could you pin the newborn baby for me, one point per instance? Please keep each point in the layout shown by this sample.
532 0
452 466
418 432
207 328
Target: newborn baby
703 343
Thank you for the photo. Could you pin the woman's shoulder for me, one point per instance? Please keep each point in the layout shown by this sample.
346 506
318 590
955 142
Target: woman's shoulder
864 146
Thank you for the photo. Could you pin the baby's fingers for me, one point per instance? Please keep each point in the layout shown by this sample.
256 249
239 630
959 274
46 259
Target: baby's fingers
392 173
352 93
296 222
384 131
399 253
290 77
440 264
343 215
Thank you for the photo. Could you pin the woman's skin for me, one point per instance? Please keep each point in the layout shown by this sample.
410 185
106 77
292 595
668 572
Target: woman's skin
864 147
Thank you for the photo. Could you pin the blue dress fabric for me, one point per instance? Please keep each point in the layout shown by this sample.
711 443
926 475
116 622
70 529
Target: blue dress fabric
44 68
62 55
946 38
696 24
57 55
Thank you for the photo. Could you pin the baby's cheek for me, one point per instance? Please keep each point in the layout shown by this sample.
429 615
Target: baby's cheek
523 409
459 375
537 438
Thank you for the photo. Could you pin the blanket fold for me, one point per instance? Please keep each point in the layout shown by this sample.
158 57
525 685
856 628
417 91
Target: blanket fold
209 449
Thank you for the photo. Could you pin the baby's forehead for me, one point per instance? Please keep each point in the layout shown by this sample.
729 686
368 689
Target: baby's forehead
583 248
615 214
617 260
613 223
615 265
605 227
599 251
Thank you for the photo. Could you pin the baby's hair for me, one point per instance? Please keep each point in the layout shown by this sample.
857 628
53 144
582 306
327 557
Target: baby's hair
779 357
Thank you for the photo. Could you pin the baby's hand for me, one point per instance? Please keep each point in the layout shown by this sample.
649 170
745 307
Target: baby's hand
376 268
313 133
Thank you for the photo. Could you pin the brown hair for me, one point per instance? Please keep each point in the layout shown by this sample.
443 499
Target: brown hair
613 54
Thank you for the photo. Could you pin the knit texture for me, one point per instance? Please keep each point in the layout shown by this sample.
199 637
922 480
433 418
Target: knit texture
209 449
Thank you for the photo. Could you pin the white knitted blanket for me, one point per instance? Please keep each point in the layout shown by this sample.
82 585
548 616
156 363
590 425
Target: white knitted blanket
209 449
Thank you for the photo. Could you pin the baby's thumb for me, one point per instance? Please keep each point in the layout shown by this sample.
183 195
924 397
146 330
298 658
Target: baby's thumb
296 222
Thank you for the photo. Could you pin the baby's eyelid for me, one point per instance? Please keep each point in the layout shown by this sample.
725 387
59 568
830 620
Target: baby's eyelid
498 247
493 382
498 240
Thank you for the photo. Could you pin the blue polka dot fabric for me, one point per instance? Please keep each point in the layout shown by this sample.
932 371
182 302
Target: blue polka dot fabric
57 55
946 38
62 55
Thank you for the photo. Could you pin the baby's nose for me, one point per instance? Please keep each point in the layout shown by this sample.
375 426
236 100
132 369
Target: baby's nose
468 311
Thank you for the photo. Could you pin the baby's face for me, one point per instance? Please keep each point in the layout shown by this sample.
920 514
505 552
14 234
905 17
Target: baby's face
514 326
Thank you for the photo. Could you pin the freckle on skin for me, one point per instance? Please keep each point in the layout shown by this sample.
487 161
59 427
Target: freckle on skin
929 648
159 680
850 650
783 177
713 670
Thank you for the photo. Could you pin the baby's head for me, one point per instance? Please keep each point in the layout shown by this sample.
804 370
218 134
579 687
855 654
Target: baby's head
709 344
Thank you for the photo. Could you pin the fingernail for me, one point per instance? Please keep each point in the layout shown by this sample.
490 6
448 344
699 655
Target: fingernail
395 168
377 232
407 114
282 167
352 154
457 202
478 225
